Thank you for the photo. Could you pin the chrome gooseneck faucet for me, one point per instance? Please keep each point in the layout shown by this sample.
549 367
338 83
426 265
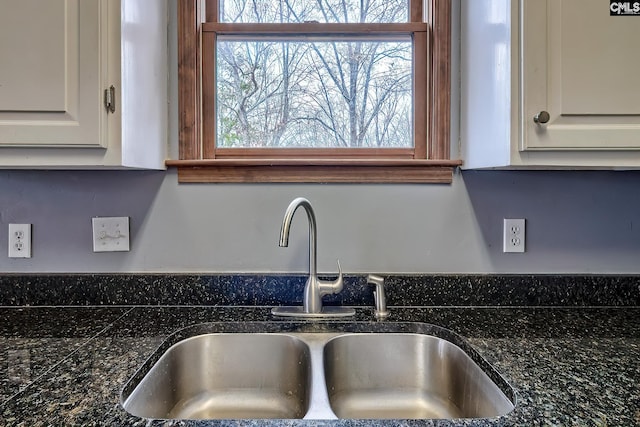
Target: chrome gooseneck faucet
315 288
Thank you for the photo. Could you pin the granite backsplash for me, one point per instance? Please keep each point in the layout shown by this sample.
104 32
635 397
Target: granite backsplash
272 289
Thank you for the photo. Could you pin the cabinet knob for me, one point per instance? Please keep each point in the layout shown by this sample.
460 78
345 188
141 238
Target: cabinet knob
542 117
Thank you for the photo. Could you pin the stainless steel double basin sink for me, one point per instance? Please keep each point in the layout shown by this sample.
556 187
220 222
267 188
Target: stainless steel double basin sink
283 370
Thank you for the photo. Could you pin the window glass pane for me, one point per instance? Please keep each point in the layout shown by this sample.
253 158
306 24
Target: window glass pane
292 94
291 11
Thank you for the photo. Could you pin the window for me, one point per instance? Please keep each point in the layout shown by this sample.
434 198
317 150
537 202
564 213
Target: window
314 91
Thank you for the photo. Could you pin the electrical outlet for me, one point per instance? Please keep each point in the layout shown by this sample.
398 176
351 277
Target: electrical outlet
513 235
19 240
110 234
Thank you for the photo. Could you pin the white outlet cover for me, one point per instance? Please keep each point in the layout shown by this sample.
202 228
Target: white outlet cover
110 234
513 235
19 240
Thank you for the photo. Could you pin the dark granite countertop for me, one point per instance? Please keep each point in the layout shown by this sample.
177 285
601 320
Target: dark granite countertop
575 364
569 366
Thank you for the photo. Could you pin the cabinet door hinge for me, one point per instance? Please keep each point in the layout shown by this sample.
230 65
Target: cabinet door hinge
110 99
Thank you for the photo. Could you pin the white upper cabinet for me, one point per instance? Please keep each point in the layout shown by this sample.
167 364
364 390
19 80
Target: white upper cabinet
59 60
50 73
549 83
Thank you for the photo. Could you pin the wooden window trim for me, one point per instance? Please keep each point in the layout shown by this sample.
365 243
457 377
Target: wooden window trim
210 32
431 164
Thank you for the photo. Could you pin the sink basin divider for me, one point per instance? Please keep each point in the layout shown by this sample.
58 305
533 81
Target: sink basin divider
319 405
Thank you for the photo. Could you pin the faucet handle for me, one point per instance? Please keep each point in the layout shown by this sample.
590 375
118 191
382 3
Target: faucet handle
339 282
332 287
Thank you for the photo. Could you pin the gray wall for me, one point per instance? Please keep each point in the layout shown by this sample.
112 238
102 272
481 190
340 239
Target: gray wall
578 222
584 222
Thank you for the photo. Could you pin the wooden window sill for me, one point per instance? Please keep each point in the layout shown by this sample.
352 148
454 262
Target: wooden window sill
315 170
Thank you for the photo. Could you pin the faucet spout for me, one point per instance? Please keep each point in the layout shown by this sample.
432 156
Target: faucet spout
286 225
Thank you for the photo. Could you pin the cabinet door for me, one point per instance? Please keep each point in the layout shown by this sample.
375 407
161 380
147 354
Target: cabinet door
582 66
50 73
